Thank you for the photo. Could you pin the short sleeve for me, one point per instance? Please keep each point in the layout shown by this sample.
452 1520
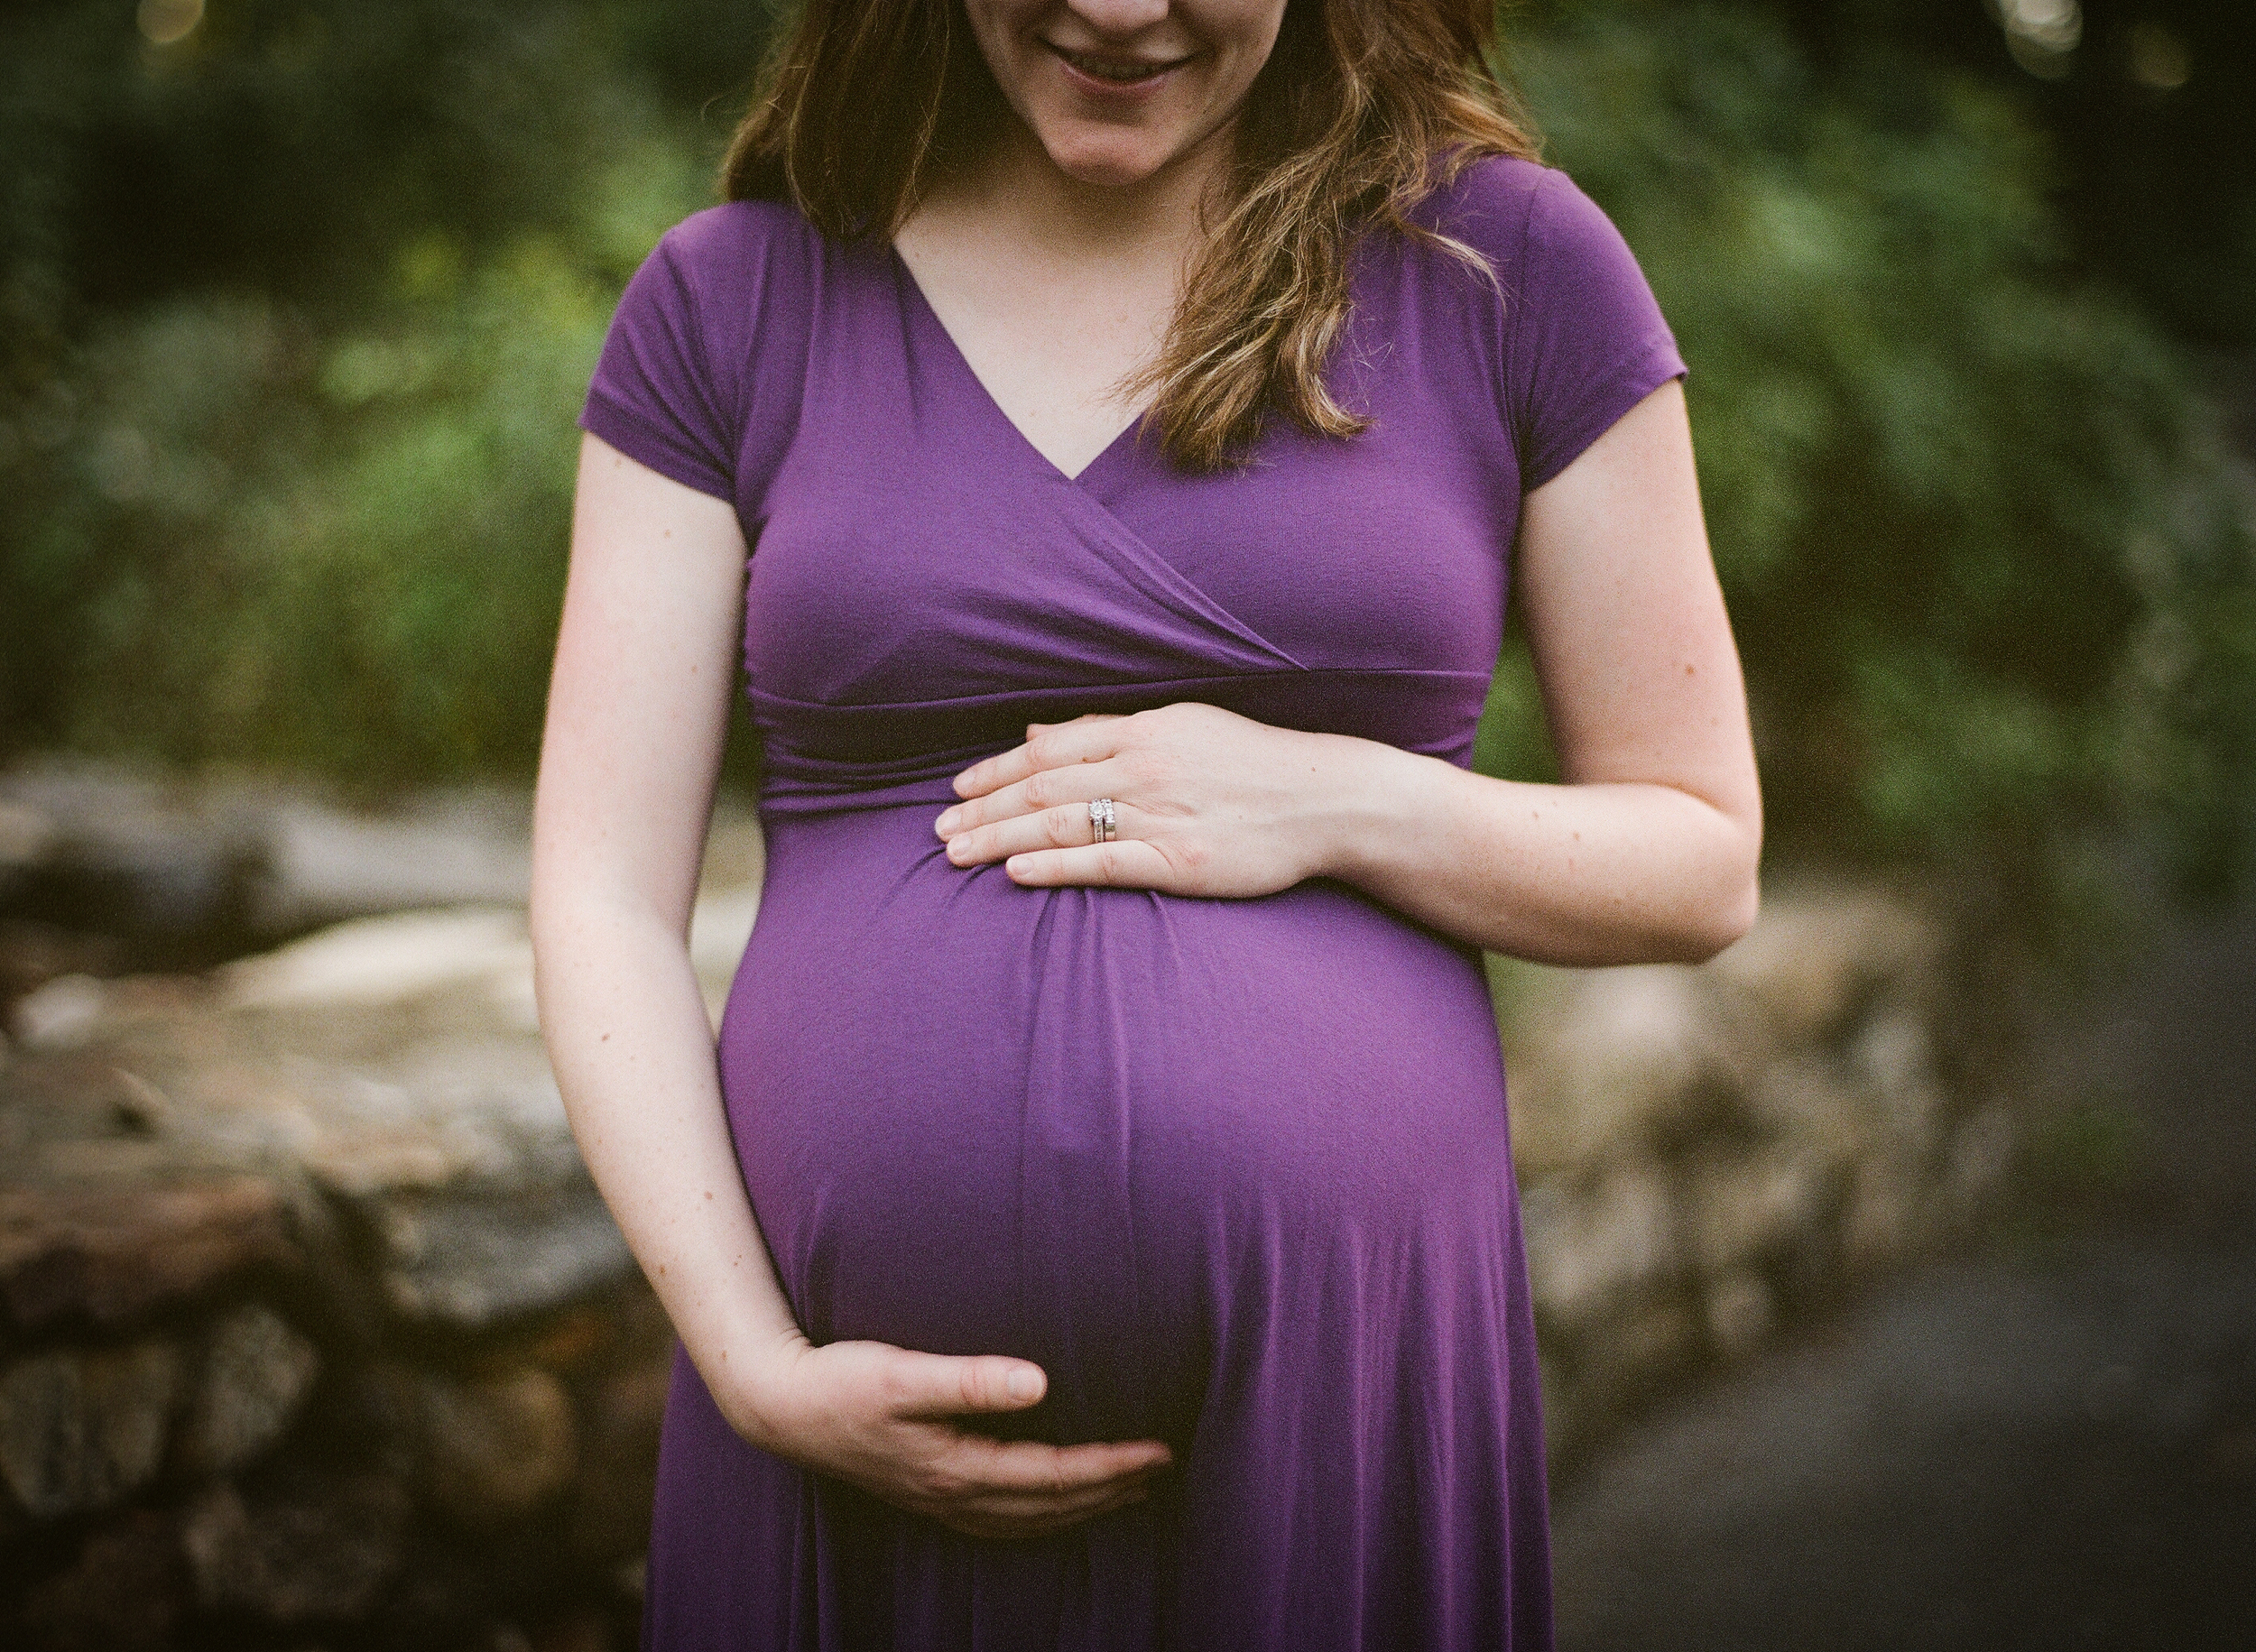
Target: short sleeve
654 396
1587 341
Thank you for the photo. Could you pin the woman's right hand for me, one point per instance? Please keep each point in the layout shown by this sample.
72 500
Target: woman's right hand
886 1419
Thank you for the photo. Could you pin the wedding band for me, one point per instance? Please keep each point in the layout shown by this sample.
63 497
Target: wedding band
1101 820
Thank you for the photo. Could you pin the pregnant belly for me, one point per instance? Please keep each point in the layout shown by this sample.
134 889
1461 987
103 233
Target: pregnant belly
1118 1133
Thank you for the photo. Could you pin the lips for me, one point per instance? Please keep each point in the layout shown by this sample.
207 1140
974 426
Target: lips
1115 69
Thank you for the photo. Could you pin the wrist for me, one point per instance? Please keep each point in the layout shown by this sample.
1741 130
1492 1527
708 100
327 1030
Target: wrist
754 1386
1366 783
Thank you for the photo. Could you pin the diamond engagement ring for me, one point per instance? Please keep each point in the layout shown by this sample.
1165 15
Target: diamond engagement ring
1101 820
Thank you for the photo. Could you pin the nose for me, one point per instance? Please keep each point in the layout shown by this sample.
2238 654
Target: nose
1118 18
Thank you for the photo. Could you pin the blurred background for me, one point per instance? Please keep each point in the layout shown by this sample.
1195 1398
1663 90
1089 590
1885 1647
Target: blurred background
298 301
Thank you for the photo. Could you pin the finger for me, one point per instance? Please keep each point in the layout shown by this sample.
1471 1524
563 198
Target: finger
1046 1487
1047 746
1013 1513
1066 827
1056 788
1012 1523
978 1466
1041 1506
1034 729
1127 862
934 1385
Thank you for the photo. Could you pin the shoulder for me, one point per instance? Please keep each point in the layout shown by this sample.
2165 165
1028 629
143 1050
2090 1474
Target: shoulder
744 277
737 244
740 227
1518 213
1488 202
701 367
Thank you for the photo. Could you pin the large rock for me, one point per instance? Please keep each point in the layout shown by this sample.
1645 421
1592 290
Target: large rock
1614 1063
126 1592
619 1464
1745 1206
320 1550
114 1250
121 854
322 864
476 1259
83 1429
354 1140
1586 1252
256 1373
1816 957
433 1111
383 960
495 1447
112 849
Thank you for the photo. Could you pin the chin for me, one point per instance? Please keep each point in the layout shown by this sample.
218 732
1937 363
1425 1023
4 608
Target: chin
1104 161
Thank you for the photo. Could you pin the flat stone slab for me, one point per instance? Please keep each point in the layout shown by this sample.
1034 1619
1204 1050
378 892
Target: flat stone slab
462 1262
383 1077
111 1252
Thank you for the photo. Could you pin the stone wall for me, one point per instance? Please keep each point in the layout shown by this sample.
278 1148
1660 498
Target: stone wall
1705 1152
313 1329
312 1320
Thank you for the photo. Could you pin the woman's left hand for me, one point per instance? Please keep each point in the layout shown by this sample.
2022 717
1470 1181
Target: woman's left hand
1207 803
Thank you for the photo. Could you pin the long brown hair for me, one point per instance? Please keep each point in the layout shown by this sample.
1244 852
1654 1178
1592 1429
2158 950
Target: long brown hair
1364 108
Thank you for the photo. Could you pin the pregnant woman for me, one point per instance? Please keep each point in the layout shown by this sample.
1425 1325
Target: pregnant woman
1106 428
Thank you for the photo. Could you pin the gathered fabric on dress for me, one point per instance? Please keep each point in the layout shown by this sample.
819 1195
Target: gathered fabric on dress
1235 1173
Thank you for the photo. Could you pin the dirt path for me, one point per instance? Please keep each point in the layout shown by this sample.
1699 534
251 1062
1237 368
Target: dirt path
2049 1441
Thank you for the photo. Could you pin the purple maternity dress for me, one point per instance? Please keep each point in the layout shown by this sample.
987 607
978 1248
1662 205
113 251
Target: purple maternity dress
1235 1173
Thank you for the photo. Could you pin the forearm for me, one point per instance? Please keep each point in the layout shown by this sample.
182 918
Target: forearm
633 1051
1575 874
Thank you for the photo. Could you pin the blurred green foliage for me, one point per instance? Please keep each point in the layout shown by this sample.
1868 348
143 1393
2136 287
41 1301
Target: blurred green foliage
1988 555
295 314
299 310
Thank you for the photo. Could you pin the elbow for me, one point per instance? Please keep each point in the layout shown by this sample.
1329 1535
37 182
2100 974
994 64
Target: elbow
1725 920
563 908
1731 907
592 907
545 913
1722 905
1700 935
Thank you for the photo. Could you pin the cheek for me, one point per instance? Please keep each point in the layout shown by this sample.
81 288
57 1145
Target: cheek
1250 26
1245 35
1000 32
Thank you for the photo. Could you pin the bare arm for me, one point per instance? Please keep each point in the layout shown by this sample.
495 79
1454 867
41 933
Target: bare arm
1646 852
1649 848
637 711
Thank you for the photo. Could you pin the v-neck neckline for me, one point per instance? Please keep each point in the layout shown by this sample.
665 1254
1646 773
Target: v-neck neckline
1124 440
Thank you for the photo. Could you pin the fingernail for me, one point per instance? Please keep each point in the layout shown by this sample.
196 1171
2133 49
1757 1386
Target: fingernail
946 824
958 848
1017 864
1023 1384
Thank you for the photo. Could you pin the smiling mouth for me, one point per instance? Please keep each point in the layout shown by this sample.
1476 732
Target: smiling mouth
1116 71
